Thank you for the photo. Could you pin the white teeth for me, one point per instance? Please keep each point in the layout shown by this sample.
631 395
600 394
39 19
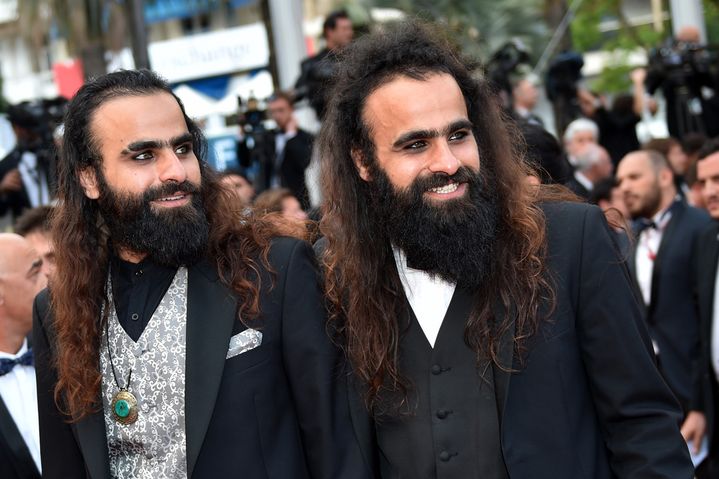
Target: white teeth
172 198
443 190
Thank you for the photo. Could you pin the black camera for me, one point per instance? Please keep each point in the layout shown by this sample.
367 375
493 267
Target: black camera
682 62
39 119
505 62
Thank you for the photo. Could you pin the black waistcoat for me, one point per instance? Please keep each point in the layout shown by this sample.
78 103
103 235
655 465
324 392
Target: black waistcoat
453 429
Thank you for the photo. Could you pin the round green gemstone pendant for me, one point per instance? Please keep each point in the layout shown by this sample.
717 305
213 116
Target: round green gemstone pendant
124 407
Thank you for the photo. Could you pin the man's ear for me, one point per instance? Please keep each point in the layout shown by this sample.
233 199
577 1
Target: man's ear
358 158
88 180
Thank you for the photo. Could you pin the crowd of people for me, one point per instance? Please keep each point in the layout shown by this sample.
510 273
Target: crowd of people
456 306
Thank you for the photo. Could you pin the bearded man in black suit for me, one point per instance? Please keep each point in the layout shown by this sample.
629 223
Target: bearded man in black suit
177 340
491 331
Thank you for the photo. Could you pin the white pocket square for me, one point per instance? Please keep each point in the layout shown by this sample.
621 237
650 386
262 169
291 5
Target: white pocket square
243 342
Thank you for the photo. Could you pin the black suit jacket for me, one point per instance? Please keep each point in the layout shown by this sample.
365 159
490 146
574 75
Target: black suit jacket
671 314
296 159
588 402
15 459
707 256
270 412
577 188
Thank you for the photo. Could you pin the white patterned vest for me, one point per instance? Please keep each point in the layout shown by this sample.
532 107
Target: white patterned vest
154 447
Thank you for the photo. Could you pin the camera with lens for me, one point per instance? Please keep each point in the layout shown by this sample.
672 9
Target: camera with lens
505 62
39 119
683 62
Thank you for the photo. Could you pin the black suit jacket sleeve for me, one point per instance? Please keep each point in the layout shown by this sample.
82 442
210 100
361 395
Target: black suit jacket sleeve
59 462
313 368
638 415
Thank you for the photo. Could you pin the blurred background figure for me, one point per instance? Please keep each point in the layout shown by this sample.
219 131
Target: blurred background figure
606 194
238 183
278 156
685 70
279 200
672 150
34 226
578 134
662 264
20 280
545 154
317 71
524 98
27 173
617 125
592 164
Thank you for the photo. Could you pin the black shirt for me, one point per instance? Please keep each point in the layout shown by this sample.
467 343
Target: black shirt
137 289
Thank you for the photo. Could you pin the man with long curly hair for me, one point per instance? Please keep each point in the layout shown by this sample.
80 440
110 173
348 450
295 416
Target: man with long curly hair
490 329
179 338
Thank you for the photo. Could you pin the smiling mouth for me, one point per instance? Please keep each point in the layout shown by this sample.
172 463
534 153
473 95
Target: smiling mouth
176 197
446 189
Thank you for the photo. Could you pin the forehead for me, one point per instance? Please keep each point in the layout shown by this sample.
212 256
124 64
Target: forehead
633 164
126 119
708 167
17 258
279 102
405 104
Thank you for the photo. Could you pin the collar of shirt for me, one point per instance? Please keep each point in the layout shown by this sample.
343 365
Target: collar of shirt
20 352
428 295
583 180
137 289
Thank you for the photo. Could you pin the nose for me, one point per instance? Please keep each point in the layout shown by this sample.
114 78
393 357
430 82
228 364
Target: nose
171 168
443 159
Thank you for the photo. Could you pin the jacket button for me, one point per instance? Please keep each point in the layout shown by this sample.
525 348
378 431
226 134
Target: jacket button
442 413
444 456
436 369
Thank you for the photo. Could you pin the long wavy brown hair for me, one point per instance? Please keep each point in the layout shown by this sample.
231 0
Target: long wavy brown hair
237 246
362 284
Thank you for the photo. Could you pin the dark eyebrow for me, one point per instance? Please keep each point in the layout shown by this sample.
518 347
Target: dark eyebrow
422 134
141 145
37 264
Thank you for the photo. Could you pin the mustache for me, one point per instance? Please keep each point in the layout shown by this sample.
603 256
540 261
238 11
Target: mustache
463 175
167 189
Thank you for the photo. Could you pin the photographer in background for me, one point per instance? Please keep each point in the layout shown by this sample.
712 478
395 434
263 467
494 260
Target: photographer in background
685 71
317 71
27 173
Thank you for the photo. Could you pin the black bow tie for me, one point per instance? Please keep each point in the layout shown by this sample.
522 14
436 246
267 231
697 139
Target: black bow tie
643 224
7 364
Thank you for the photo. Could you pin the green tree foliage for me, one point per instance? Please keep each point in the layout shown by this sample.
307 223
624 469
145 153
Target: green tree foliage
480 27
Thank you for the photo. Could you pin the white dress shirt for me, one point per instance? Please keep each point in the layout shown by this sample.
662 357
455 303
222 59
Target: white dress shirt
647 248
429 296
583 180
19 393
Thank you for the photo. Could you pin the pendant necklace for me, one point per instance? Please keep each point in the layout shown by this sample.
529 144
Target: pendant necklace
124 404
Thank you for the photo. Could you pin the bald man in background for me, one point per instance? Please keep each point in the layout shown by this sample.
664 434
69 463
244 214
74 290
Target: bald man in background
21 279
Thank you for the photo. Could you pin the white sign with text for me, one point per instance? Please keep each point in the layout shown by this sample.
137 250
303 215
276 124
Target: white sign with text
210 54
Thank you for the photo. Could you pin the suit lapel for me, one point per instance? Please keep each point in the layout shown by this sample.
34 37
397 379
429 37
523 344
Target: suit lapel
708 257
665 245
211 312
92 439
12 441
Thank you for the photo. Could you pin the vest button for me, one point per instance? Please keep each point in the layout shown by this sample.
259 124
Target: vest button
444 456
442 413
436 369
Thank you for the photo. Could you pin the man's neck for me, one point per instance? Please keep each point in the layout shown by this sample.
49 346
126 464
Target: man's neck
130 256
667 200
11 341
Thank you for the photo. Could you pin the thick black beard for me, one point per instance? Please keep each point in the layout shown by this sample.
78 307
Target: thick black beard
170 237
454 239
